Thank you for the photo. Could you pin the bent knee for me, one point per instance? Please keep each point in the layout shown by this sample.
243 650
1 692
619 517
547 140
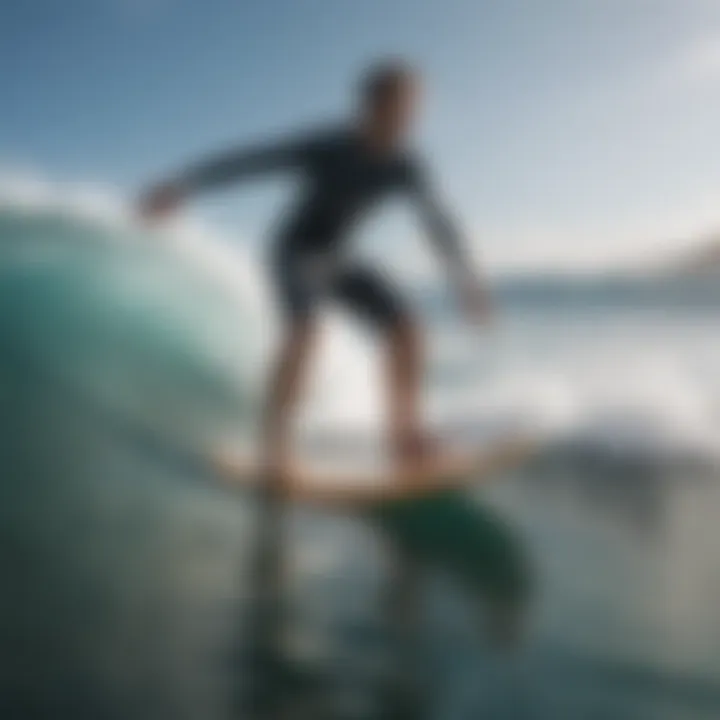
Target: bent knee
405 331
301 330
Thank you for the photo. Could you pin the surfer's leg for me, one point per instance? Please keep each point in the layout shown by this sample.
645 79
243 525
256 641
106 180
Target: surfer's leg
405 367
370 295
285 384
297 297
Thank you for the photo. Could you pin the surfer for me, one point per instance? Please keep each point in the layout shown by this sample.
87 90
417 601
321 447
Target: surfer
345 171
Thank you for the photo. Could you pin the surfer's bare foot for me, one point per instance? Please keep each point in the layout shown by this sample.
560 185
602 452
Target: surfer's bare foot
279 466
238 467
416 449
510 451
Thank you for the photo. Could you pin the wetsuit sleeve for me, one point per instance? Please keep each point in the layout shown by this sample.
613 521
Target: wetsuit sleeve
440 226
238 164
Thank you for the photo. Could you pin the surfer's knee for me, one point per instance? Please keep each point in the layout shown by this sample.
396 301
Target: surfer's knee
405 333
299 336
291 359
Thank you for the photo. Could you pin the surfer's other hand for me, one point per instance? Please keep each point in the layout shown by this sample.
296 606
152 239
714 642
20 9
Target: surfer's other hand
160 201
476 302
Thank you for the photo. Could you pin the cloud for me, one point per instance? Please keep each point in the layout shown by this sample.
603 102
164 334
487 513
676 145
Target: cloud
696 64
635 241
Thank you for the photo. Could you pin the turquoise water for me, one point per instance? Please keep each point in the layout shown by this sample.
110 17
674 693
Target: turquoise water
125 568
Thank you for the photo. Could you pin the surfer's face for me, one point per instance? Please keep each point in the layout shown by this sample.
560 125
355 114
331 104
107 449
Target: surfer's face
393 112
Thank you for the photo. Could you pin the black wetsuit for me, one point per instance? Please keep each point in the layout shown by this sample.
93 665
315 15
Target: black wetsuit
343 180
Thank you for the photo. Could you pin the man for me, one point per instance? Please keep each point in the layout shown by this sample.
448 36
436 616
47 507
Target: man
346 171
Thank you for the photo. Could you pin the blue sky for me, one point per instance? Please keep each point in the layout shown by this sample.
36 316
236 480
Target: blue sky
564 131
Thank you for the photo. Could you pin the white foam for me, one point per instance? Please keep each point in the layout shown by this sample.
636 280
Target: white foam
621 393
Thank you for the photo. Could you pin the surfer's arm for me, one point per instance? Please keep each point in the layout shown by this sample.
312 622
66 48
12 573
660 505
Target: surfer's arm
242 163
443 232
231 166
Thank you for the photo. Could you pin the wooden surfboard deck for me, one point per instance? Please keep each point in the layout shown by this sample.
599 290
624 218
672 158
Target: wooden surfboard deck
317 482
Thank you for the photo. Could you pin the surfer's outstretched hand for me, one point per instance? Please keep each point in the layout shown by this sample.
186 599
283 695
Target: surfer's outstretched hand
476 301
160 201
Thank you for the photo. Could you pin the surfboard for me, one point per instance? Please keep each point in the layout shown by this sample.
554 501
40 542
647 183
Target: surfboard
363 481
425 510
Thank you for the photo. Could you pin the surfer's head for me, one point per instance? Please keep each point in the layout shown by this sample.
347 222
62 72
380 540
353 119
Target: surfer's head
389 100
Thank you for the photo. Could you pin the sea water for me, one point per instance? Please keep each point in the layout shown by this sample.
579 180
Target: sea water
125 353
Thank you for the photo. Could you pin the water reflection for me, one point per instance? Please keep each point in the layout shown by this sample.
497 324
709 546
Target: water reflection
124 588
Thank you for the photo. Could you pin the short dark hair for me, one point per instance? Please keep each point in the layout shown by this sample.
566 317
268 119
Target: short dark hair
384 78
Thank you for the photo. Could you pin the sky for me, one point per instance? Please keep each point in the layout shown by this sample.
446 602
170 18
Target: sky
564 133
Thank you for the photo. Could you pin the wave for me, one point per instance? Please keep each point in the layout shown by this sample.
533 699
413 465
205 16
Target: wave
123 350
175 327
165 324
